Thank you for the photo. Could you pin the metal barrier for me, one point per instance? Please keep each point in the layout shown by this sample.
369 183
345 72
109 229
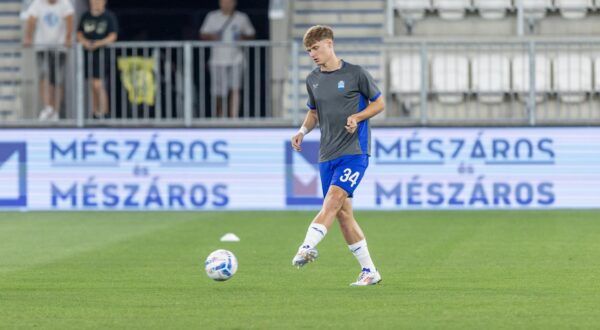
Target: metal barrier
146 84
35 81
183 84
180 84
529 82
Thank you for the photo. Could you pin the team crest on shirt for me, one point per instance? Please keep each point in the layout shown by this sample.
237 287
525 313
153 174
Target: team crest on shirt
341 85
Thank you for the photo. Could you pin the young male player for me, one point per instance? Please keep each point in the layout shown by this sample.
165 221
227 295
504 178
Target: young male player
342 97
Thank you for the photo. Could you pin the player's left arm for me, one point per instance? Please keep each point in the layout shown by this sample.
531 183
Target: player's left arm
373 109
368 88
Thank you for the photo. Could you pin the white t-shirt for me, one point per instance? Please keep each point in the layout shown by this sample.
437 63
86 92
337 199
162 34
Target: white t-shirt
51 27
231 28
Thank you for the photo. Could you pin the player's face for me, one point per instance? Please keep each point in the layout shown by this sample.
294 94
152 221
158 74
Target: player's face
321 51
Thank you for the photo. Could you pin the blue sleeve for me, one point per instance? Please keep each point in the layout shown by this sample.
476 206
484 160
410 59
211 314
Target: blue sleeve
312 105
367 86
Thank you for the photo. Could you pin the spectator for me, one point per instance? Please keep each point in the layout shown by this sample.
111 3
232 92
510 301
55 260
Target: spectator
50 27
97 28
226 25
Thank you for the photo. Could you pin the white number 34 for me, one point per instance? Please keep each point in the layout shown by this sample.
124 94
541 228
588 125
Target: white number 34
349 176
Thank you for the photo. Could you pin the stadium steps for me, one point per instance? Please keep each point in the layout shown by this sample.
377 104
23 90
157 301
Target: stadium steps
10 59
354 22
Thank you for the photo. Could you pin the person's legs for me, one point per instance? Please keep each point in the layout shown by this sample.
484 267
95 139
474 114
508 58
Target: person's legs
354 236
95 98
58 97
45 100
331 206
99 94
234 103
235 81
339 178
100 97
357 244
50 88
48 111
45 92
324 219
350 229
319 226
57 81
218 89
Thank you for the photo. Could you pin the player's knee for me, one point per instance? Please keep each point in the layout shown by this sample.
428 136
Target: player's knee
335 199
332 206
344 215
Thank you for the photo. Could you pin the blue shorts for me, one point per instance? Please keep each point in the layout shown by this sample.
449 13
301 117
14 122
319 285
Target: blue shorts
345 172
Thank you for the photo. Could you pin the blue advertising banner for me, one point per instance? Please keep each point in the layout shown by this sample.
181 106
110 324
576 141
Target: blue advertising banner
246 169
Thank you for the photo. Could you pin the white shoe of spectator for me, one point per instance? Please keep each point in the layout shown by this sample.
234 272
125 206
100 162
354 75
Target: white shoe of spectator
46 113
54 116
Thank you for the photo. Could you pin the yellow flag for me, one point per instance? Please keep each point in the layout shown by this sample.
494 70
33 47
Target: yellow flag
137 76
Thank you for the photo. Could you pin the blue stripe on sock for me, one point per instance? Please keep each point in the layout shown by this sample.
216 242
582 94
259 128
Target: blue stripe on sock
319 230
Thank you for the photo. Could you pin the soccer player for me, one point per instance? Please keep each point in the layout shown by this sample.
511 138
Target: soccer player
342 98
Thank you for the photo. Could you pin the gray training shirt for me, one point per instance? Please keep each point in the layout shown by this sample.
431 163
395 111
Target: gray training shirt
336 95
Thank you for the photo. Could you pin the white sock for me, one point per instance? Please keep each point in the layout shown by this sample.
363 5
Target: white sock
314 235
361 252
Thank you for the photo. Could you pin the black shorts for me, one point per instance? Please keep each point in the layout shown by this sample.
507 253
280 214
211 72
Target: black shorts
51 65
96 63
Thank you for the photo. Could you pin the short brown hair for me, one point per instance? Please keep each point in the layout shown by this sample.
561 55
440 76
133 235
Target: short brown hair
316 34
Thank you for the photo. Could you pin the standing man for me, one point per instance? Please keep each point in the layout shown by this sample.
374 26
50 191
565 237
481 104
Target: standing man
97 28
52 21
226 62
341 97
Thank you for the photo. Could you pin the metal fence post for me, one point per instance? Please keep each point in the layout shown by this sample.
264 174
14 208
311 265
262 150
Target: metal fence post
389 18
79 96
520 18
296 83
531 104
424 83
187 84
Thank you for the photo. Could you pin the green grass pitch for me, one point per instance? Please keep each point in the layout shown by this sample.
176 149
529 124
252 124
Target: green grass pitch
450 270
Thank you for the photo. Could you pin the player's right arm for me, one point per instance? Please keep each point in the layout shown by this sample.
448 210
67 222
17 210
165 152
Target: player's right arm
310 122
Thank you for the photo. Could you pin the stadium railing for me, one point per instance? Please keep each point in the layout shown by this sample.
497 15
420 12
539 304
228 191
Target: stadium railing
425 82
151 84
493 82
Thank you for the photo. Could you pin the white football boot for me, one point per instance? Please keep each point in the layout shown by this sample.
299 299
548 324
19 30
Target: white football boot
305 255
367 277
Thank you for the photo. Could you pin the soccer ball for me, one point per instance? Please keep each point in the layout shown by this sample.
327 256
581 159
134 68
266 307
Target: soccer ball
220 265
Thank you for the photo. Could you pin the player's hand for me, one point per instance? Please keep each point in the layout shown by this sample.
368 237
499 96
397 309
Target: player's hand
27 42
351 124
297 141
68 43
